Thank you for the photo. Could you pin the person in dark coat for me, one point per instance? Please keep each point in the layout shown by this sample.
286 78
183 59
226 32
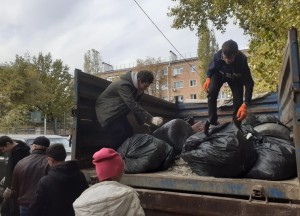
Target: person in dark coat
17 151
117 100
57 191
28 172
228 65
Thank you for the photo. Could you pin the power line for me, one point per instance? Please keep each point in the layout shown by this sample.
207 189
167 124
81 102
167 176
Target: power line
163 34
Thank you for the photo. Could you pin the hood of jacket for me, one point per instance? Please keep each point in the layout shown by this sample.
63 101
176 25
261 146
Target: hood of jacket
66 171
108 198
21 147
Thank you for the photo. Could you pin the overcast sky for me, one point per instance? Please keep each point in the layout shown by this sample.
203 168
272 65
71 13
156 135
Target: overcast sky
118 29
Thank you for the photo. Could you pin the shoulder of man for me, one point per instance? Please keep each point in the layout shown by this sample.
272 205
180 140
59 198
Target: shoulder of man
217 55
21 149
241 56
126 75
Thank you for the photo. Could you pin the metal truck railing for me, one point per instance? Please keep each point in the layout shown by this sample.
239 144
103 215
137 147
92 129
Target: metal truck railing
289 89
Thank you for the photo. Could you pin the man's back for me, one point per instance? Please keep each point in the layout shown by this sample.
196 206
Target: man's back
27 174
109 198
58 190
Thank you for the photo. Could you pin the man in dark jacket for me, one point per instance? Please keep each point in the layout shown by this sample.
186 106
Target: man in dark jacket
17 151
28 172
57 191
118 99
228 65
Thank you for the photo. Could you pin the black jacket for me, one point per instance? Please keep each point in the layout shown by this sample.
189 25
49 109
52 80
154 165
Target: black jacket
118 99
20 151
58 190
239 67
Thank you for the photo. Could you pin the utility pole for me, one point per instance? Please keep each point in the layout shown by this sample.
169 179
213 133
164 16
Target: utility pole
45 124
64 123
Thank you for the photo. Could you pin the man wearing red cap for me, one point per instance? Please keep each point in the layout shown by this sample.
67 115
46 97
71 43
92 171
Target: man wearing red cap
109 195
228 65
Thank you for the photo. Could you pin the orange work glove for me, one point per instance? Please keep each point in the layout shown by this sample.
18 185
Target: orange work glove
242 112
206 84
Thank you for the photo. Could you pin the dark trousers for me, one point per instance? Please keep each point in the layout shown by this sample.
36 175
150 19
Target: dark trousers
237 89
10 207
24 210
118 131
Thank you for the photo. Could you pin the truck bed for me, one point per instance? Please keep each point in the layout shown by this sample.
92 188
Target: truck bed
174 192
181 178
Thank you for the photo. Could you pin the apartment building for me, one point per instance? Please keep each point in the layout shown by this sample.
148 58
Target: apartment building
174 78
179 78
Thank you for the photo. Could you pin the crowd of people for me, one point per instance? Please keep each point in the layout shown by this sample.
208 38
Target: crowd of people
42 183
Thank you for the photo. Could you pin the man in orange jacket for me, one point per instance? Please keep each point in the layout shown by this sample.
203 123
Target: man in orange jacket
228 65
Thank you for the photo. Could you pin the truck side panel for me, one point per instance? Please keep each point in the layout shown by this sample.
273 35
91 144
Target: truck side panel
164 203
289 89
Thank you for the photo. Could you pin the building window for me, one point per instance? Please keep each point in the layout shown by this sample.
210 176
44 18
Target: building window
178 84
193 96
157 85
192 68
164 72
177 71
180 97
164 86
193 82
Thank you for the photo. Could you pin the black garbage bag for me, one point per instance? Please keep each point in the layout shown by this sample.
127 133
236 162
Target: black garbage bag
250 120
225 153
144 153
175 133
274 129
276 160
266 125
267 118
189 119
254 120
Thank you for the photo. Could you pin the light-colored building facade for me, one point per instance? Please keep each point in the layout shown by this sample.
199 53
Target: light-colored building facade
179 78
176 77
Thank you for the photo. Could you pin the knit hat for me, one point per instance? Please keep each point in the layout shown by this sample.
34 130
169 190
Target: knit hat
42 141
108 163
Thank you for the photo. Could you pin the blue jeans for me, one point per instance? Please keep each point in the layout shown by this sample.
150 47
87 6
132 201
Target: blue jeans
24 210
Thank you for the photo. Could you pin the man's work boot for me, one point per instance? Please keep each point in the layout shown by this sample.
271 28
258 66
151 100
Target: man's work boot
206 128
208 125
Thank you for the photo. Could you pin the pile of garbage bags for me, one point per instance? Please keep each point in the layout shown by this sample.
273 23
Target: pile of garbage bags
260 149
225 153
